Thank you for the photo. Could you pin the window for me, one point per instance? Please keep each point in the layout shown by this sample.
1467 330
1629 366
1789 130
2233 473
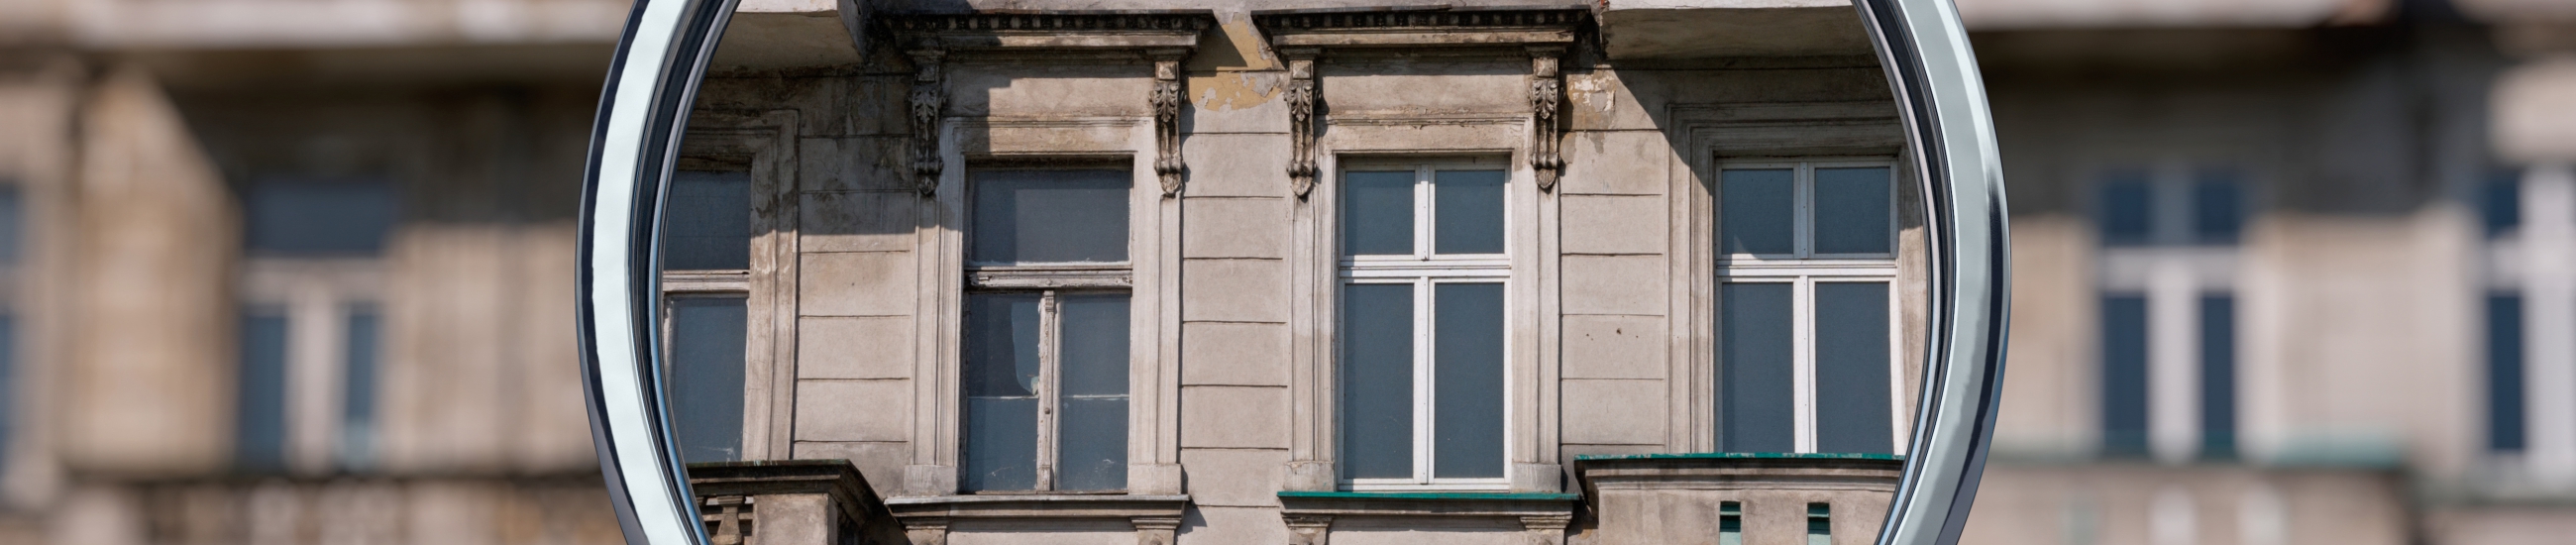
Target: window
1046 331
12 231
706 257
1423 270
2529 215
2168 310
309 334
1820 524
1806 353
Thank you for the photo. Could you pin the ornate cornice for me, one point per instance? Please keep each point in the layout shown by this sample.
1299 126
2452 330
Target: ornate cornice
1050 30
1421 28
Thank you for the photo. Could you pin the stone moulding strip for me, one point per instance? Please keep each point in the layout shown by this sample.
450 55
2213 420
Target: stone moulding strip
1309 514
1737 470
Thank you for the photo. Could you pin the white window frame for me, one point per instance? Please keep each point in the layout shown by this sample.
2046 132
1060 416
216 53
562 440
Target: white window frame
763 145
2173 270
1804 269
1050 280
2535 262
1424 269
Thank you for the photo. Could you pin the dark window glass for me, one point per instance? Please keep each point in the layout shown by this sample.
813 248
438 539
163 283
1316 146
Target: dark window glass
358 401
2124 375
1091 445
1760 209
2126 209
13 224
2500 202
1001 374
1758 407
1467 380
319 217
1467 212
1852 361
2504 373
706 376
706 223
1820 524
8 384
1854 210
2218 376
1730 523
260 432
2218 208
1049 216
1377 213
1377 381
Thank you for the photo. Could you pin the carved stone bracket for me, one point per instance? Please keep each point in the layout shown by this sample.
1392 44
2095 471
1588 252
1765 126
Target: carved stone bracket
1309 529
1549 528
1167 120
1156 530
729 516
929 96
1547 91
926 530
1301 118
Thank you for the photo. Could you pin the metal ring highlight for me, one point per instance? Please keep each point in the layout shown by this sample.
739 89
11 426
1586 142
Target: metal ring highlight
654 77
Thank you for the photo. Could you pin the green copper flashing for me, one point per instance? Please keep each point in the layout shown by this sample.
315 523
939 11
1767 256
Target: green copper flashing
1742 456
1458 496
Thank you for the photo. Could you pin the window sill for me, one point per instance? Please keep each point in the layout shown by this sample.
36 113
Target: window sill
1042 506
1428 504
1719 471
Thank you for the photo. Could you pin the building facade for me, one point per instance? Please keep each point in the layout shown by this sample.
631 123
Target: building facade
1312 272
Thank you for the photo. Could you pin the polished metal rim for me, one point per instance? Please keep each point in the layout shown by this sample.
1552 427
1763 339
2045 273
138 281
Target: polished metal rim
654 77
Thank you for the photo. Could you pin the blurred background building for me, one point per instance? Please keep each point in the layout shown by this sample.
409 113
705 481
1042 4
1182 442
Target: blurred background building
299 271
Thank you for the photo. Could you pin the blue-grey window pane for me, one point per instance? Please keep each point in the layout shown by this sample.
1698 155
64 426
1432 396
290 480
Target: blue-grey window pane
2500 202
2218 376
706 376
2126 218
2504 373
1852 359
13 224
358 390
1377 213
259 443
1049 216
1467 215
1002 344
1001 375
706 222
1855 209
1820 524
1757 370
1760 210
1467 380
1377 380
1092 431
8 384
2124 375
2217 208
1001 450
318 217
1092 445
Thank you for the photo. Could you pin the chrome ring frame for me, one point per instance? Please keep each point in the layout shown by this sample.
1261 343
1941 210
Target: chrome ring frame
654 77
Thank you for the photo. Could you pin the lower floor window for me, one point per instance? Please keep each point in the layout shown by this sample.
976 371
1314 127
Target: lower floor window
705 373
1046 391
1422 387
1806 365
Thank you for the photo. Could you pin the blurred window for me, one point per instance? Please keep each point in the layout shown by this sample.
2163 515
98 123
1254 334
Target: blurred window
2168 309
1806 311
1423 271
319 217
2505 431
1047 323
12 232
2529 217
309 332
2500 203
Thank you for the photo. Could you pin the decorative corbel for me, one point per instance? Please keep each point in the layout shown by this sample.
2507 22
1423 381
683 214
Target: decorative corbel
1301 118
1546 92
1167 120
929 96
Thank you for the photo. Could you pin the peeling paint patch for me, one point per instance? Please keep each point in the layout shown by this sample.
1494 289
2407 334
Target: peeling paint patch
1594 89
1232 90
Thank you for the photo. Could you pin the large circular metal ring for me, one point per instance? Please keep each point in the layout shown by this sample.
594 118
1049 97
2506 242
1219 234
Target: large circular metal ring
654 78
